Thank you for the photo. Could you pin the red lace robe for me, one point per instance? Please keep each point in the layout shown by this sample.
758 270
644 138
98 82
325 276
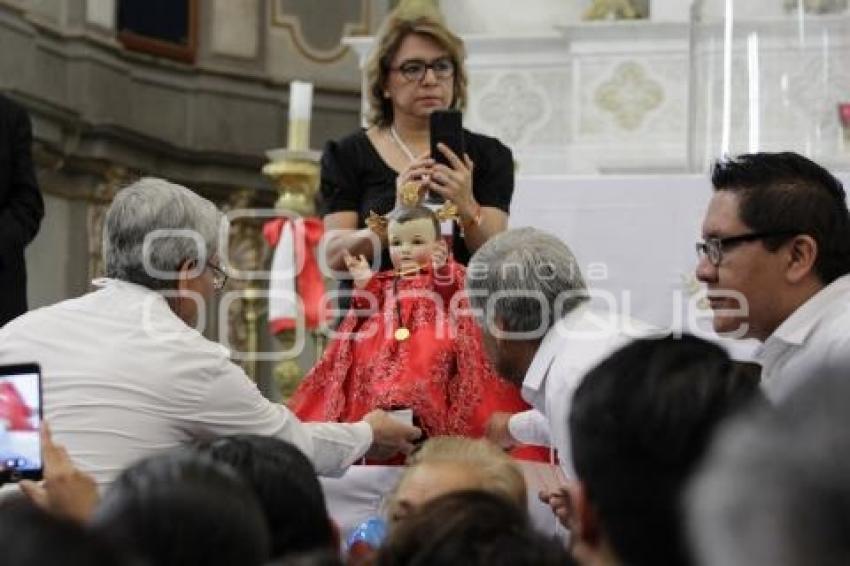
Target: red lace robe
440 372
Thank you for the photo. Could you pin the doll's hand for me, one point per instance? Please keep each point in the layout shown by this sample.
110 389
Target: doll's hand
359 269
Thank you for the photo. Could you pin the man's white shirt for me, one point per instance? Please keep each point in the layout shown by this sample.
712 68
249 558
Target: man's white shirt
124 378
571 348
813 340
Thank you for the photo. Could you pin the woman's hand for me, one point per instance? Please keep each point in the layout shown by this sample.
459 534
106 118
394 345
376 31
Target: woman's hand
418 171
455 183
66 491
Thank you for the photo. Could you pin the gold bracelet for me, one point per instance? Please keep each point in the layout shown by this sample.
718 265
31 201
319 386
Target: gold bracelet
466 223
474 221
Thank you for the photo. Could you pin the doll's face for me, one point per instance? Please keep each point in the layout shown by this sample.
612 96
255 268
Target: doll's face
412 243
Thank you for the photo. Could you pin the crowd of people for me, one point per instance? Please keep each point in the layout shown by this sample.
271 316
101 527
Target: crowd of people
663 450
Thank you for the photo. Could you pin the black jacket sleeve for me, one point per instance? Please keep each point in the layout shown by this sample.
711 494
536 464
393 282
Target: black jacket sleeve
21 204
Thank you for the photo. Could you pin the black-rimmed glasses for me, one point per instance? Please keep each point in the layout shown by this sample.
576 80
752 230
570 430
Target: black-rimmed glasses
415 69
712 248
219 276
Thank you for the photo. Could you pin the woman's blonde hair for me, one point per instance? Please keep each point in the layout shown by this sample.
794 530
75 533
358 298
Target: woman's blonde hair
495 472
398 25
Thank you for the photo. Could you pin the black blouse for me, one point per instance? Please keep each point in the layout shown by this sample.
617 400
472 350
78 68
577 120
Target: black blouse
355 178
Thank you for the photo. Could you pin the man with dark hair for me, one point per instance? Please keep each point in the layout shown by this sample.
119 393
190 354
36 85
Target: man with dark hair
776 258
181 508
21 207
31 536
286 486
640 424
469 527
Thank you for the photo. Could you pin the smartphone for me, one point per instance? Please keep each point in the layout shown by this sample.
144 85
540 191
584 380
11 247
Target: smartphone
446 128
404 416
20 420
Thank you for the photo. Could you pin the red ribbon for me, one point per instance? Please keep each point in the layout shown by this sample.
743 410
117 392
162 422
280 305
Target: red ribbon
844 114
309 284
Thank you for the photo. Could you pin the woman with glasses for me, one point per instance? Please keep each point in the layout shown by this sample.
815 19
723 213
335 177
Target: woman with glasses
415 69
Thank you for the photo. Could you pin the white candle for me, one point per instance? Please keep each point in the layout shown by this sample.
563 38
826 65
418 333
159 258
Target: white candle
300 106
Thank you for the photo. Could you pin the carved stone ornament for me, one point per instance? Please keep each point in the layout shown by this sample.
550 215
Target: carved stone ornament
629 95
616 10
511 107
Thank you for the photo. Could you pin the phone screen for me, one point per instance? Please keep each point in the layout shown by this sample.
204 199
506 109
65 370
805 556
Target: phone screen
20 420
446 128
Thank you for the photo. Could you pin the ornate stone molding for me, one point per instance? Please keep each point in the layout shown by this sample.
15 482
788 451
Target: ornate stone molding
630 94
512 106
292 22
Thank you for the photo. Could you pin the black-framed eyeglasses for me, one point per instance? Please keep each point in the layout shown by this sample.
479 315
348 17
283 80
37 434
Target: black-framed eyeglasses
415 69
219 276
712 248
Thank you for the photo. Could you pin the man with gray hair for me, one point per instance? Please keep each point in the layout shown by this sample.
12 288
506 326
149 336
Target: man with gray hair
774 489
125 372
540 331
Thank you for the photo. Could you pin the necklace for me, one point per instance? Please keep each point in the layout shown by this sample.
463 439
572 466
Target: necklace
401 333
400 143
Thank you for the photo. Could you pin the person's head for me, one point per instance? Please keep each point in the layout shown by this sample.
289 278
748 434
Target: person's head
774 489
413 233
286 486
469 527
396 73
445 464
30 536
639 425
164 237
792 215
184 509
520 283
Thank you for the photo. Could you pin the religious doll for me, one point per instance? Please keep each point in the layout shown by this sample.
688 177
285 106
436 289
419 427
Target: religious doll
408 341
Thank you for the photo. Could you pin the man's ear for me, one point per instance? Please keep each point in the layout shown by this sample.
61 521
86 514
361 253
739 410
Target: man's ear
803 253
187 272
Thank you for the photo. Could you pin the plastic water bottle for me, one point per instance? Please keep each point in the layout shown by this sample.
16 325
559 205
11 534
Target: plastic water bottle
366 538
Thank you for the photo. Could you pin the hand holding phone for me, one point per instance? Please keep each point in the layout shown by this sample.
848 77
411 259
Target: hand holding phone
66 490
446 128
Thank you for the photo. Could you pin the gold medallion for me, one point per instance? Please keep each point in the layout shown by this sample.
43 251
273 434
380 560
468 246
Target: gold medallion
402 334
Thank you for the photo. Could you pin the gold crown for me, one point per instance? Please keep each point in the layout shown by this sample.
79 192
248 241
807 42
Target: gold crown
376 223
